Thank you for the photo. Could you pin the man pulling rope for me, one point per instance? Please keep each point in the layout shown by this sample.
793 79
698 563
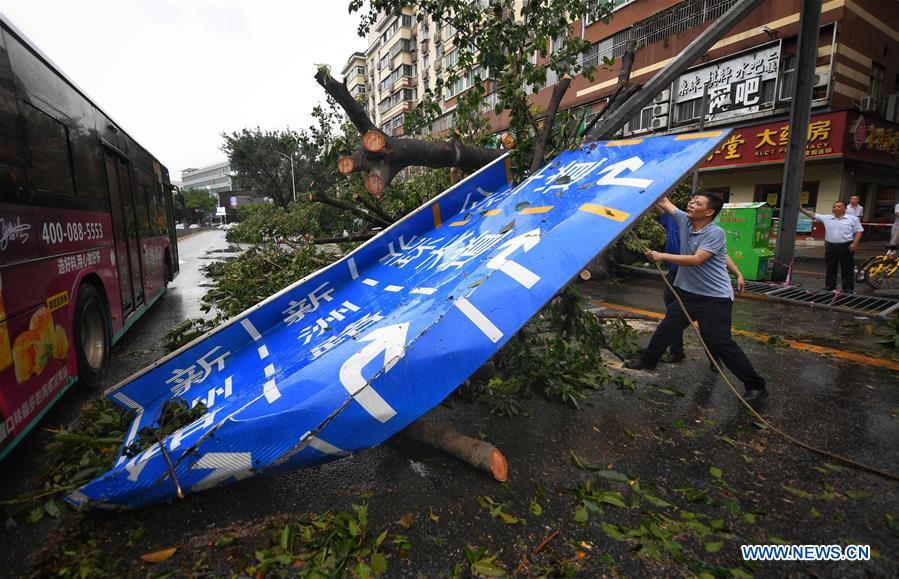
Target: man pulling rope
704 287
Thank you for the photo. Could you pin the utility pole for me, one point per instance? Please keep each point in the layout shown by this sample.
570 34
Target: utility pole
293 181
794 166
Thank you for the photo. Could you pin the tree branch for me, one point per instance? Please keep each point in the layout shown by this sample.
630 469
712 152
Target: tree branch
383 156
540 146
343 239
624 76
364 215
341 94
372 207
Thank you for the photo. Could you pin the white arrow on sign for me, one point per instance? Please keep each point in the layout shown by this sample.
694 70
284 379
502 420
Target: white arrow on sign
519 273
389 340
225 465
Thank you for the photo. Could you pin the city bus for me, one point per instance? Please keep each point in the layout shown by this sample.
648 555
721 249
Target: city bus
87 237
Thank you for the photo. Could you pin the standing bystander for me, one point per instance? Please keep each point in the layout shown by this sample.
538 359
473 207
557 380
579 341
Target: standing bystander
842 233
705 289
854 208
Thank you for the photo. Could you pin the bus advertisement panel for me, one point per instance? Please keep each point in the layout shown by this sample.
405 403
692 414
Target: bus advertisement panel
87 239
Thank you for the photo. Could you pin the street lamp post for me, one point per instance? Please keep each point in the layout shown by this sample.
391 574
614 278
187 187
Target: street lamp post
293 181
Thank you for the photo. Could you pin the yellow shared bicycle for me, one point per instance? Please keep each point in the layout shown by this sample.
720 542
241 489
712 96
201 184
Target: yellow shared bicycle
880 271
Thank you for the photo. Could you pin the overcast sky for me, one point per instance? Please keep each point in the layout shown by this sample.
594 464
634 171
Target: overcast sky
175 75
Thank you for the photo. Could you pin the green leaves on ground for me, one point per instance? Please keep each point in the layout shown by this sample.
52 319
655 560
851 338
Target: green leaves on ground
75 456
497 510
481 563
334 544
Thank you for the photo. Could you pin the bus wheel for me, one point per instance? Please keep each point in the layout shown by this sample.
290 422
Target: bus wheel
91 339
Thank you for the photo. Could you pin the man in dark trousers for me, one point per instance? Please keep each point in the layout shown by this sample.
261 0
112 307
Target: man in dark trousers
672 245
705 289
842 232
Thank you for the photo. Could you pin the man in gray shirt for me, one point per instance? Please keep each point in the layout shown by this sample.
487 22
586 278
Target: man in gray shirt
705 289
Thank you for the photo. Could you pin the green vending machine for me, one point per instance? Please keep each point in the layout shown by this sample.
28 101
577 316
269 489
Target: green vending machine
747 226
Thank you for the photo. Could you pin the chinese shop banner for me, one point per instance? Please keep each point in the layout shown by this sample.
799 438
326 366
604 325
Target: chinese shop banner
842 134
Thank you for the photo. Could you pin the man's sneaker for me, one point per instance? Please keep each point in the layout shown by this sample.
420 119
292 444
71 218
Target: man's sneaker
755 395
673 358
638 364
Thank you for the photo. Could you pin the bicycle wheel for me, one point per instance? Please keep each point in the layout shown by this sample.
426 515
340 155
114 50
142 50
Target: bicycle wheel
881 273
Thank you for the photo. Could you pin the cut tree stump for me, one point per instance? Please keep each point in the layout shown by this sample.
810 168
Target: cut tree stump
479 454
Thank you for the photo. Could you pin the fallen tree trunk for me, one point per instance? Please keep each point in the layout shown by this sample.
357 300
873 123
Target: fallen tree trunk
382 156
479 454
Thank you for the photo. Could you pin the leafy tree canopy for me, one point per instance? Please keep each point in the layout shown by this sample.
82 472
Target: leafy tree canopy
196 204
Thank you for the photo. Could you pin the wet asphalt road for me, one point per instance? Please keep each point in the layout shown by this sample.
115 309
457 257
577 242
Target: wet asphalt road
768 490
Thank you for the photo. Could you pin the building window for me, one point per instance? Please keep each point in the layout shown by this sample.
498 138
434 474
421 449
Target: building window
877 73
687 111
642 121
787 76
447 31
808 199
360 70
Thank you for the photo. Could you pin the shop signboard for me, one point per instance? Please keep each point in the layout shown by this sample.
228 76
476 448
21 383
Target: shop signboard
841 134
767 143
735 84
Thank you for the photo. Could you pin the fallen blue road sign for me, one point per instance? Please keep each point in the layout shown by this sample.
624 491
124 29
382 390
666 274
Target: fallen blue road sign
348 356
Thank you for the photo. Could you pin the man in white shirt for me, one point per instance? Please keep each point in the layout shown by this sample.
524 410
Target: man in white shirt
842 233
854 208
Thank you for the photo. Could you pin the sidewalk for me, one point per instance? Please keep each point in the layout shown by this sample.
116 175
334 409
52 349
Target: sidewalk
809 266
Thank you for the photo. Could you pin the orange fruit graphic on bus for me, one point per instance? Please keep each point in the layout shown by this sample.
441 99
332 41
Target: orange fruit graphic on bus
29 355
60 343
42 321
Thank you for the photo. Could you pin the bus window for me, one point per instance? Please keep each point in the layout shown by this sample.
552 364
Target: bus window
89 177
140 203
48 141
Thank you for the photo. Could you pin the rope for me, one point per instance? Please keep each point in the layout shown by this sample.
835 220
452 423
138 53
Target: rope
853 463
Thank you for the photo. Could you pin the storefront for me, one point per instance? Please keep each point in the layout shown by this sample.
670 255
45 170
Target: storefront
847 153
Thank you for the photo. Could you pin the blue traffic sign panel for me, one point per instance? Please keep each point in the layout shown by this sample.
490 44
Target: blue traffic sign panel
347 357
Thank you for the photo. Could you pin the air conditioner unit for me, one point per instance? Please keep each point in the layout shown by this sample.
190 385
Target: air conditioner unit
662 97
660 123
822 79
660 110
891 107
868 104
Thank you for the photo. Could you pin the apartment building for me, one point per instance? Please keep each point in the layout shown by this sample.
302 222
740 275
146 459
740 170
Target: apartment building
354 75
744 82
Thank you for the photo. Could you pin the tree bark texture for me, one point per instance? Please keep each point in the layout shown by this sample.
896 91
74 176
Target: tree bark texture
540 146
383 156
479 454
